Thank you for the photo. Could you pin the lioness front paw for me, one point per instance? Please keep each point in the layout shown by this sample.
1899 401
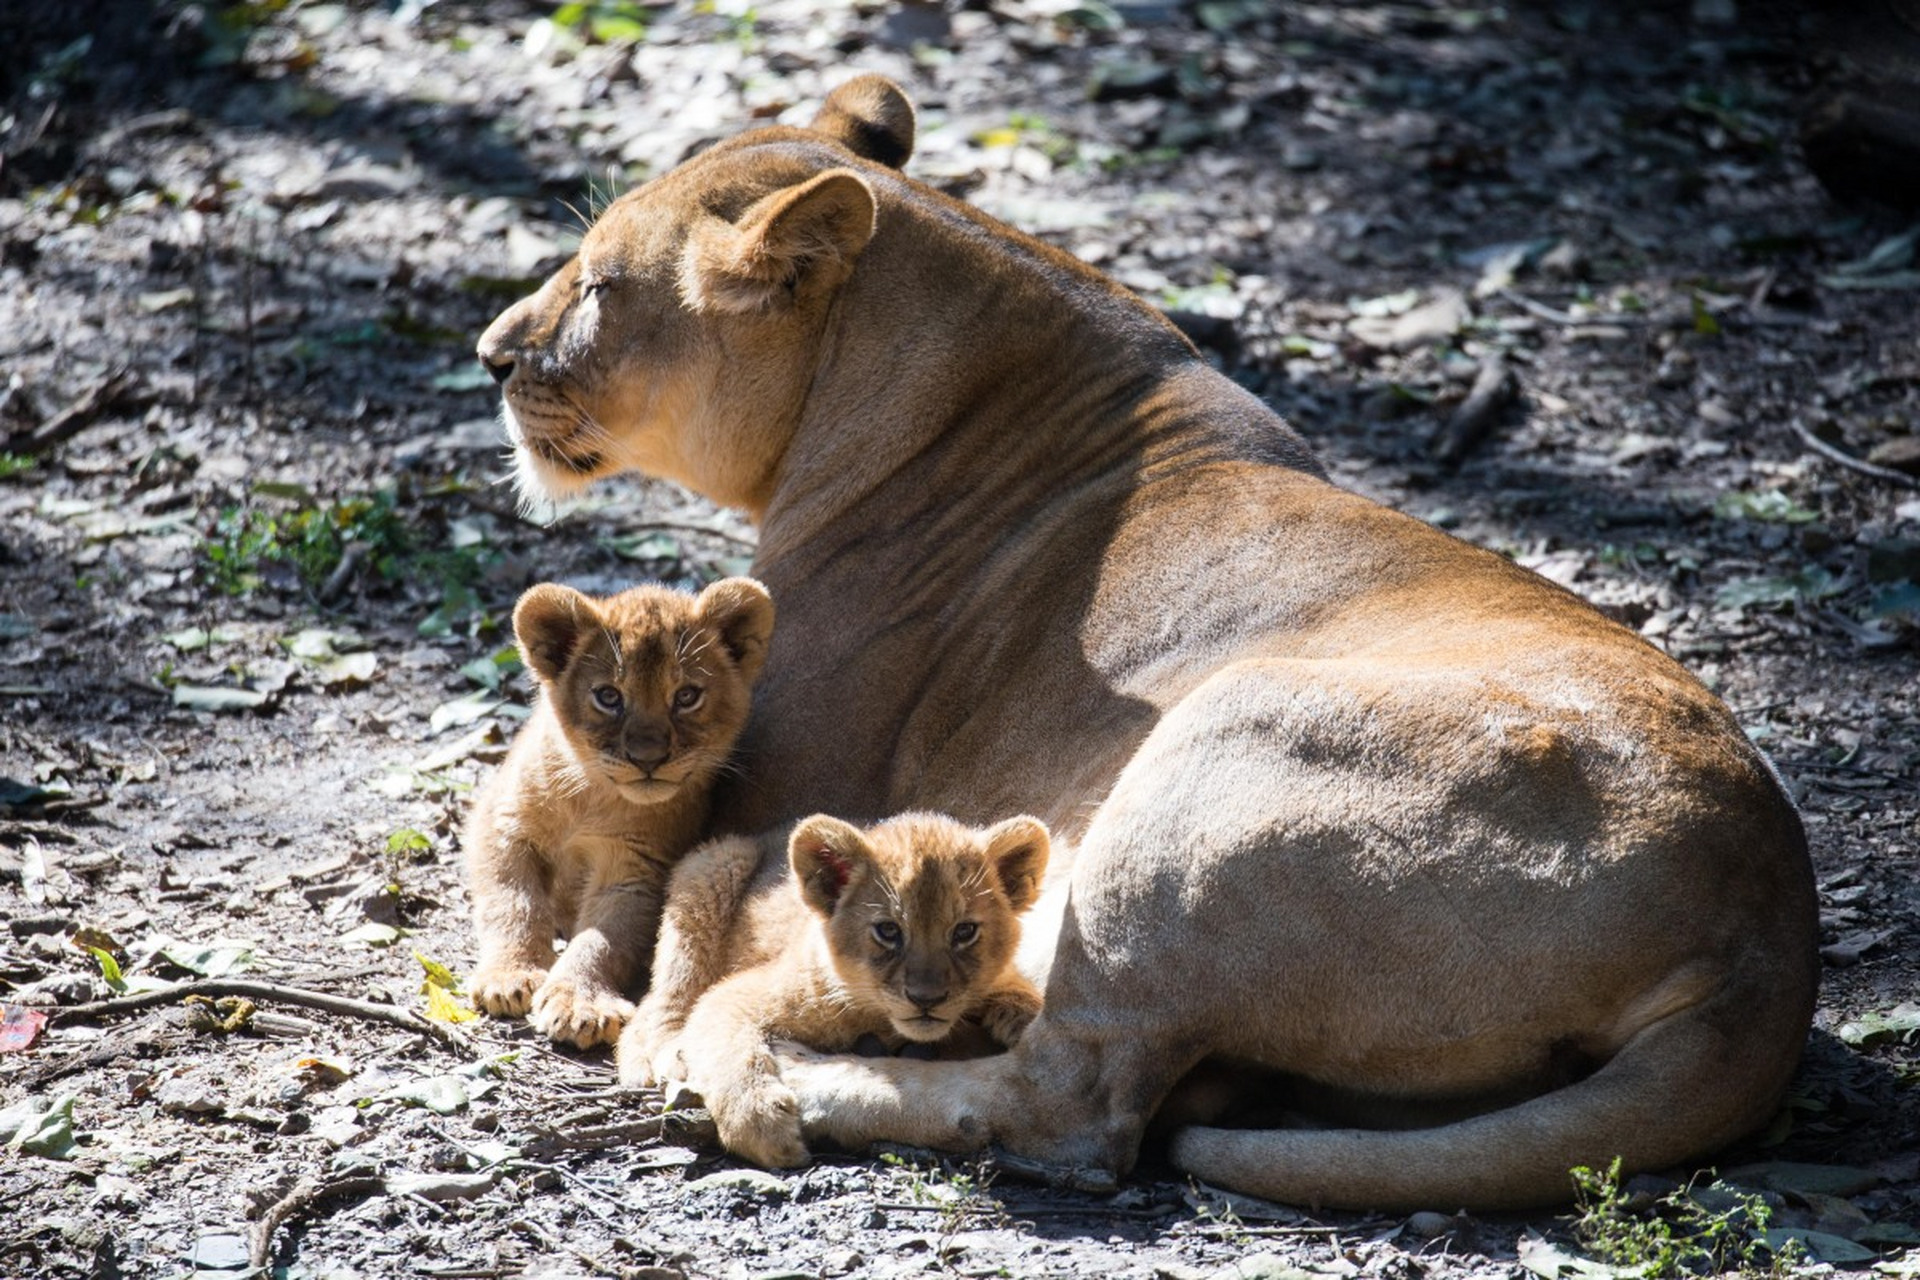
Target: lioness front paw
506 990
575 1013
762 1125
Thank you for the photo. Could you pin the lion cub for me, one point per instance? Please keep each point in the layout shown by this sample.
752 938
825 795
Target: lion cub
642 695
905 931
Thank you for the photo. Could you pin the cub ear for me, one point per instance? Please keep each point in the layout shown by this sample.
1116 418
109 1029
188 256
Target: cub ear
799 240
1018 849
870 116
826 853
548 622
742 612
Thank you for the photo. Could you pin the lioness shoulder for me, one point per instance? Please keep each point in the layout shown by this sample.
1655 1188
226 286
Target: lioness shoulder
642 696
904 933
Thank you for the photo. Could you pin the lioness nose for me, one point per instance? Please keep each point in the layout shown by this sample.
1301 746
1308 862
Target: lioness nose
500 369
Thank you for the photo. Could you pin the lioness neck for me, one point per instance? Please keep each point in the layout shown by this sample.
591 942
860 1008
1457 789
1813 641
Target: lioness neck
959 357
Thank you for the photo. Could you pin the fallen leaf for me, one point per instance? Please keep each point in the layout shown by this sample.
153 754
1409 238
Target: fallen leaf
438 975
196 697
1437 321
347 670
442 1095
374 934
193 639
39 1128
440 1186
1550 1262
1878 1028
463 710
19 1027
1805 1179
1823 1246
444 1006
1851 948
483 743
321 644
210 960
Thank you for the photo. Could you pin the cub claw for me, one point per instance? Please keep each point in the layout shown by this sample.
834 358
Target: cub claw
569 1013
506 991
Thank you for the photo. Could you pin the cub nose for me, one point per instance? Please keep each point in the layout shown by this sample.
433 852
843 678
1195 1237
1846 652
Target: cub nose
926 997
499 368
649 752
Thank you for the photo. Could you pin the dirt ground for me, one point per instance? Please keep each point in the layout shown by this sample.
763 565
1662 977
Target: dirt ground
256 556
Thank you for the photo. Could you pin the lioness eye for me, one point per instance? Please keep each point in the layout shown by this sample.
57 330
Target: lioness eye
687 697
886 933
607 698
964 932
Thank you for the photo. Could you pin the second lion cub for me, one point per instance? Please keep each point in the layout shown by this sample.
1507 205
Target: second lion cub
642 696
905 931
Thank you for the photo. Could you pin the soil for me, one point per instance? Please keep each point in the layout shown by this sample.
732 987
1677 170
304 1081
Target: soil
256 553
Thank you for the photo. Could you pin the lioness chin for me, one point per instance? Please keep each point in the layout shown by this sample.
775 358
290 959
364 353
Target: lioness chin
1388 824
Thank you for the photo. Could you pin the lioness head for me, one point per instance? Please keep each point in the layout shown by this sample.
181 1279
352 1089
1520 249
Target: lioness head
651 687
717 276
921 913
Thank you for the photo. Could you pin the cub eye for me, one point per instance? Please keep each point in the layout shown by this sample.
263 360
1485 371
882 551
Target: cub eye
607 698
964 932
887 933
687 697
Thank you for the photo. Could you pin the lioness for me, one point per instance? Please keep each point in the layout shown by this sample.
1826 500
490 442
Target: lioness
903 933
1405 832
642 696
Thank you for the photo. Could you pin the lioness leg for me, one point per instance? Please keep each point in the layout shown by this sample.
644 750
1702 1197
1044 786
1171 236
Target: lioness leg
704 897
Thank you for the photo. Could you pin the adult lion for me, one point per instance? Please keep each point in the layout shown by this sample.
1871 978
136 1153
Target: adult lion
1371 823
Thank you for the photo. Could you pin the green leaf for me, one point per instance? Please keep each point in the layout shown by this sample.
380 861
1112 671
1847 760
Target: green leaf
220 700
1704 323
1880 1028
193 639
1771 505
645 546
38 1128
408 840
109 968
1809 584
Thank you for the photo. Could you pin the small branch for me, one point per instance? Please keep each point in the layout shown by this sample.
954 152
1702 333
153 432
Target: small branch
1493 390
1835 454
687 526
694 1127
1542 311
305 1194
97 400
214 988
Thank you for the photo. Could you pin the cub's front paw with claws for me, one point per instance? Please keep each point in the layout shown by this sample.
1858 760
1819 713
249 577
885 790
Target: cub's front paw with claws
506 990
761 1124
578 1014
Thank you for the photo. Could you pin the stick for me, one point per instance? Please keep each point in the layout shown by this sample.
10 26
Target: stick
214 988
1492 390
76 417
1549 314
1834 454
305 1194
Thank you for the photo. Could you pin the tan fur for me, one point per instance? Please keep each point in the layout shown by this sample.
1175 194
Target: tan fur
905 931
642 696
1394 826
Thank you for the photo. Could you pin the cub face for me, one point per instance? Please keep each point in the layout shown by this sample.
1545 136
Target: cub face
650 687
921 913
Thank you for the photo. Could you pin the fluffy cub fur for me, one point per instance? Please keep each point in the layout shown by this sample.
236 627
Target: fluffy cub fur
642 695
905 931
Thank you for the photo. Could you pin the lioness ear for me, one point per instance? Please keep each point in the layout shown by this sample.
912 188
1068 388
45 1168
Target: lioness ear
1018 850
742 612
870 116
825 853
548 622
803 239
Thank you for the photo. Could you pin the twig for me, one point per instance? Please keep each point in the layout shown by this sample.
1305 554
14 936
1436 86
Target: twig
102 396
687 526
1492 391
681 1126
1834 454
305 1194
1553 316
214 988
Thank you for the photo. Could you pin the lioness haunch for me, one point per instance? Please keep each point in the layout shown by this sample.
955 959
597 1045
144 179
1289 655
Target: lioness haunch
1402 832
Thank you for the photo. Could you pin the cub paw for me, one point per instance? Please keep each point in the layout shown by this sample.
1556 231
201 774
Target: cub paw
1007 1020
762 1125
506 990
580 1015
